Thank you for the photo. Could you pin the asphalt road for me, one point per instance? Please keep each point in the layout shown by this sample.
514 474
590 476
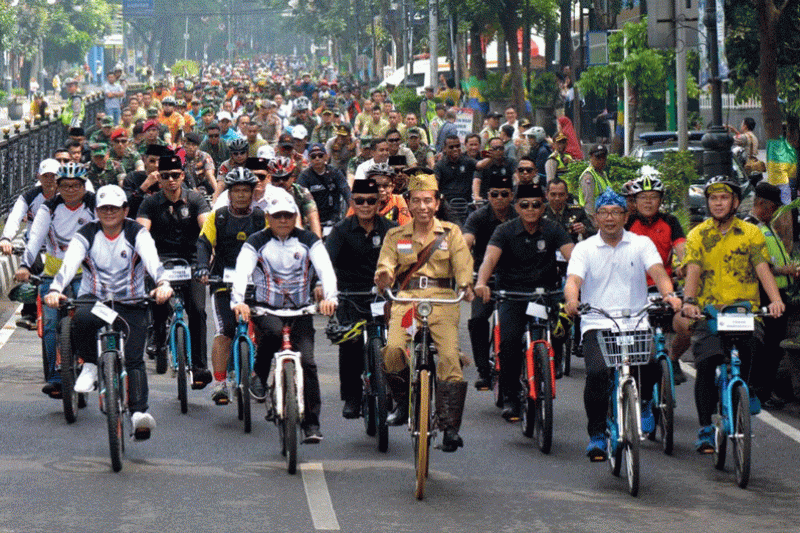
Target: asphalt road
201 473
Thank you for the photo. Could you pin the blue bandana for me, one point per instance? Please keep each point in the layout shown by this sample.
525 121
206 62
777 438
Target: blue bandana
609 197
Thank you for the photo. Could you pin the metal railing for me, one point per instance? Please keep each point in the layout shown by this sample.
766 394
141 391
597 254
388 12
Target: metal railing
25 144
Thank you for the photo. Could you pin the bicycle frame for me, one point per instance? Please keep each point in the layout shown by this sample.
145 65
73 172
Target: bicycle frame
177 320
109 339
242 332
729 376
622 376
276 378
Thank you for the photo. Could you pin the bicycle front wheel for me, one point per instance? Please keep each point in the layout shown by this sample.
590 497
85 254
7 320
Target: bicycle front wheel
113 405
183 371
630 441
380 395
422 417
543 430
566 350
368 394
665 407
741 437
290 416
69 371
244 384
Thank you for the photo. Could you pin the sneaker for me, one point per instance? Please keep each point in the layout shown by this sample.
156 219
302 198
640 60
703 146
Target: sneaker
219 394
257 390
755 405
705 440
648 420
596 450
143 423
312 434
678 377
511 412
87 379
200 378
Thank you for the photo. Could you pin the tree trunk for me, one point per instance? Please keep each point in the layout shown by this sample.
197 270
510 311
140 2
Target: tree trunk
517 91
477 62
768 16
566 32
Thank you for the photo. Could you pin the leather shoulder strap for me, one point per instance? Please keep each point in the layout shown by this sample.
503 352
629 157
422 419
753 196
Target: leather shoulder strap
424 256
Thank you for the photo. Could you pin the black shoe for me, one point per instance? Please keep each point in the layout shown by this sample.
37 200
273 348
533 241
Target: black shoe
773 403
200 378
152 350
678 377
451 440
257 389
483 383
399 416
27 322
351 409
53 390
511 412
559 373
312 434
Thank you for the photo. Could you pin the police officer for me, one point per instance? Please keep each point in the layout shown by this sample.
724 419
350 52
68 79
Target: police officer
594 179
449 266
353 246
559 160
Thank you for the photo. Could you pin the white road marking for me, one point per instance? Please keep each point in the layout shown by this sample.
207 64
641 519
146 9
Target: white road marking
319 499
788 430
9 327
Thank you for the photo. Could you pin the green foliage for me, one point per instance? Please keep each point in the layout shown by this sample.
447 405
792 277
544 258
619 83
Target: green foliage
406 100
678 171
497 86
3 98
619 170
185 68
544 90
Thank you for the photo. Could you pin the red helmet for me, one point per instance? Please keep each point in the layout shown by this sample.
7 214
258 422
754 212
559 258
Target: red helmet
281 166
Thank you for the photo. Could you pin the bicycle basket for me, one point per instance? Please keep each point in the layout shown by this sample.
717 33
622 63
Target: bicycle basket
638 343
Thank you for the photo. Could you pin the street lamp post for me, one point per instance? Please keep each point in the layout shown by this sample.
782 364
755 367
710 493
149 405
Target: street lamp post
716 142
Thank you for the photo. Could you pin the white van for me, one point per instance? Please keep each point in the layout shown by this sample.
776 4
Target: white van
420 78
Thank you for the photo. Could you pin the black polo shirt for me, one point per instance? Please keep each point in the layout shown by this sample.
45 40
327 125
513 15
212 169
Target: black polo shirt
328 189
174 225
506 168
528 260
354 253
455 177
482 223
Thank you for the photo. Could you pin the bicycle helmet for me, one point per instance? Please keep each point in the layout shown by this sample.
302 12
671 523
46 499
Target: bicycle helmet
380 169
626 188
537 132
239 145
721 181
240 176
73 171
648 181
281 166
302 104
338 333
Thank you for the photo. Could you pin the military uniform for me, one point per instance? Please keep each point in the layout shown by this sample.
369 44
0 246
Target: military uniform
571 214
128 161
323 132
112 174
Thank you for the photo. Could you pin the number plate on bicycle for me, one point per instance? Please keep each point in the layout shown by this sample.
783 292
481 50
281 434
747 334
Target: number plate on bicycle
734 322
376 308
104 313
536 310
178 273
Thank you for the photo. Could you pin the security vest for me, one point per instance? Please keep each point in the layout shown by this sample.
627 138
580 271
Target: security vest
777 253
600 184
562 160
69 118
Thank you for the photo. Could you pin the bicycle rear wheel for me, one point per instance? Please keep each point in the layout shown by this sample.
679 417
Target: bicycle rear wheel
113 406
380 394
630 440
69 371
290 417
665 407
243 397
422 417
183 371
368 398
741 438
566 351
543 429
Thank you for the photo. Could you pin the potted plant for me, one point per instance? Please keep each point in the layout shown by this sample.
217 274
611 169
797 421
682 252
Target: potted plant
16 104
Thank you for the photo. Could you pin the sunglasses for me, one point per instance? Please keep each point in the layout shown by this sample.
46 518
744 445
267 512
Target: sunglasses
525 170
210 136
63 160
170 175
500 194
362 201
397 140
238 152
316 156
283 215
277 179
495 148
120 141
261 177
70 186
533 204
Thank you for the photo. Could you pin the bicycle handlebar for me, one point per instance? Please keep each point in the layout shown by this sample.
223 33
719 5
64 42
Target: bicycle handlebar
258 308
445 301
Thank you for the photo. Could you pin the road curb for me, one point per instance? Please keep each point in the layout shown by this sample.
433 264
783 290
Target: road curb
8 265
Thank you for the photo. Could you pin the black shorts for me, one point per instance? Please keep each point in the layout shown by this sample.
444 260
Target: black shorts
224 318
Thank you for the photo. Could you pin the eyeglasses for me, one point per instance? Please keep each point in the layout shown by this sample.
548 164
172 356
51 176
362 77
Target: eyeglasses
238 152
362 201
316 156
609 214
110 209
213 136
170 175
394 140
500 194
525 170
70 186
496 148
283 215
533 204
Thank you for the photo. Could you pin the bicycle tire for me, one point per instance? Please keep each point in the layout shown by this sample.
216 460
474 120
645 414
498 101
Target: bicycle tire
665 408
244 384
494 357
113 411
630 441
291 416
183 371
543 428
421 440
528 405
613 446
369 407
741 440
69 367
161 361
45 362
566 351
720 441
379 390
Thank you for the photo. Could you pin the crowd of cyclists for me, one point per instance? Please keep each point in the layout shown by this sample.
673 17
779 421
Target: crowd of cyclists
303 187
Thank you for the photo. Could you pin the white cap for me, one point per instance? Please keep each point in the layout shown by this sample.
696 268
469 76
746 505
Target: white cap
111 195
281 201
49 166
222 115
299 132
266 151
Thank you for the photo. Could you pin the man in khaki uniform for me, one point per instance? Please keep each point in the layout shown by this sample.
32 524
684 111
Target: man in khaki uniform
449 266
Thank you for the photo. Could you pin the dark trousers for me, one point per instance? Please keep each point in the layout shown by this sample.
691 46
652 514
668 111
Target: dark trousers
270 329
194 301
765 366
84 345
598 383
351 353
478 327
513 320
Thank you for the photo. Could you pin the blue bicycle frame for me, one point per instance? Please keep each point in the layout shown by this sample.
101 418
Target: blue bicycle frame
241 333
178 321
728 375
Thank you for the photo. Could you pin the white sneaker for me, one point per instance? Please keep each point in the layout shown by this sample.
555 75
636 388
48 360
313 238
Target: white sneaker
86 381
143 423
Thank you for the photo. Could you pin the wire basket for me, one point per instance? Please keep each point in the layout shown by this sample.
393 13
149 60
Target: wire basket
636 344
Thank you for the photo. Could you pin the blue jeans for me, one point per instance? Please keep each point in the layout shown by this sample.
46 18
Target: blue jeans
50 326
115 113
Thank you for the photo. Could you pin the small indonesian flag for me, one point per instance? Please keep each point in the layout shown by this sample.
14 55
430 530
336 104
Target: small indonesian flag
408 322
404 246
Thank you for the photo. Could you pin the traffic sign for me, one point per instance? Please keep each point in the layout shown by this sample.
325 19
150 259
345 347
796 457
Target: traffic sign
137 8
